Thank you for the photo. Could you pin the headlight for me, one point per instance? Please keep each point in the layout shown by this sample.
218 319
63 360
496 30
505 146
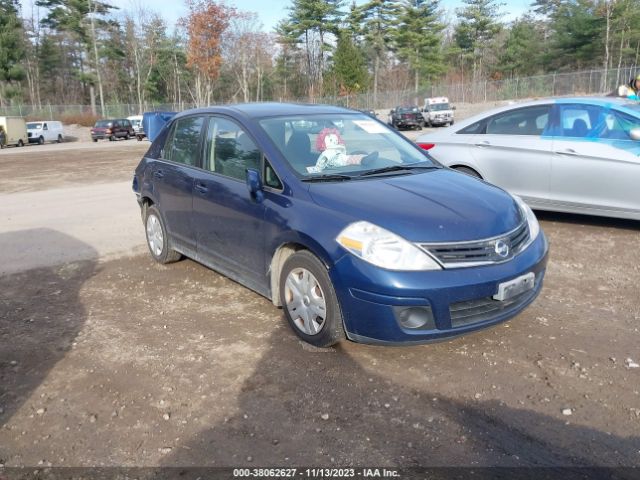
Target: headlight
384 249
534 226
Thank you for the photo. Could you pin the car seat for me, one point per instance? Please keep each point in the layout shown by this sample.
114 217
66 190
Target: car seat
580 128
298 151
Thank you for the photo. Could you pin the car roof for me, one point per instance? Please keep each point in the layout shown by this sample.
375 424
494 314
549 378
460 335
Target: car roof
268 109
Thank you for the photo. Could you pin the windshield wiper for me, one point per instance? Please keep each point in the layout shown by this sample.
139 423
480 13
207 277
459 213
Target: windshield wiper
398 168
327 177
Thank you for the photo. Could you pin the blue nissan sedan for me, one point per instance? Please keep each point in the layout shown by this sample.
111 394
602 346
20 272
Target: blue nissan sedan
353 230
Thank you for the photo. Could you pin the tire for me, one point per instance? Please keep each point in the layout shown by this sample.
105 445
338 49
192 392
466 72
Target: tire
305 285
40 140
157 238
469 171
59 140
95 140
112 138
126 136
20 143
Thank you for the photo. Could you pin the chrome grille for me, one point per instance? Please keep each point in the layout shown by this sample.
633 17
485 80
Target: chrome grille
480 252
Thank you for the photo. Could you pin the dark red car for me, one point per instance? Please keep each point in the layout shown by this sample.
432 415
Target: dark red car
112 129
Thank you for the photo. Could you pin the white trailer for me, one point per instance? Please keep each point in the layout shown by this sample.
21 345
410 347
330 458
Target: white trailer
15 131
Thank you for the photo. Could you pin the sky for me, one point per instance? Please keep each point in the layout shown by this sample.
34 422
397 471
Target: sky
270 12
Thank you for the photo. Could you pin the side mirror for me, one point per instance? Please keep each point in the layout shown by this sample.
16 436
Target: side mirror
391 112
635 134
254 184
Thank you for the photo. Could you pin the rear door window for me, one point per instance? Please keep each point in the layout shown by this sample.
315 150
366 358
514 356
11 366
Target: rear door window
183 144
523 121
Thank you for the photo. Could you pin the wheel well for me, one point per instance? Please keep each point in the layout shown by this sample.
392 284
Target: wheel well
283 252
146 203
467 167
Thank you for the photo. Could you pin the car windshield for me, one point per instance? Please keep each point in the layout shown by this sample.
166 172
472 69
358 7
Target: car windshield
136 123
103 124
408 110
437 107
34 126
345 144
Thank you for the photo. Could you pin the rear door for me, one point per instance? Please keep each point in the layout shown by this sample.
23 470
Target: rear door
513 153
173 178
229 223
595 163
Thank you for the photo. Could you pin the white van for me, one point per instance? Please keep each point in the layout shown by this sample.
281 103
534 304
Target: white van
437 111
15 131
45 131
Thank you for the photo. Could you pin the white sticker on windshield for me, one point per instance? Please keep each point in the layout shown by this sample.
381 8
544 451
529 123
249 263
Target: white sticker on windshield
371 126
313 169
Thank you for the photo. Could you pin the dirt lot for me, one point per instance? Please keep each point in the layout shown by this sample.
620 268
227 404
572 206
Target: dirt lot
114 360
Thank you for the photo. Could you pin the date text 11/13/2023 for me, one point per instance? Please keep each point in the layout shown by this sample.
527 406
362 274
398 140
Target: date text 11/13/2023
315 473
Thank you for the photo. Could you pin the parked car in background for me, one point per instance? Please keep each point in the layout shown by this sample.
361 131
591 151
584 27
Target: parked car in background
15 131
437 112
357 234
45 131
577 155
136 122
112 129
406 118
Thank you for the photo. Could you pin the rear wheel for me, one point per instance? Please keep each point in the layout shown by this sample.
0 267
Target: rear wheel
157 238
59 140
20 143
309 300
469 171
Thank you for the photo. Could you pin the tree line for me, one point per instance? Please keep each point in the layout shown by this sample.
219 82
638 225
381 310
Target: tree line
89 52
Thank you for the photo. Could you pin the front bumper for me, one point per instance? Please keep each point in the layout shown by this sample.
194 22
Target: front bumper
372 298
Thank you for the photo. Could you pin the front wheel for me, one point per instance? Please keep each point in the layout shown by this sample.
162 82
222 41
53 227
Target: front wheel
157 238
41 140
309 300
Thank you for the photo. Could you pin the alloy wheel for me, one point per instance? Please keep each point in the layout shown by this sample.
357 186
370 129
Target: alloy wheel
305 301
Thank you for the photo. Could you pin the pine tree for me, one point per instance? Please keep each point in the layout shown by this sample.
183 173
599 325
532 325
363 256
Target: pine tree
478 26
11 49
419 39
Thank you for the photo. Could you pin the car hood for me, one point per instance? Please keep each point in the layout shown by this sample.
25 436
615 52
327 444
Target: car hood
436 206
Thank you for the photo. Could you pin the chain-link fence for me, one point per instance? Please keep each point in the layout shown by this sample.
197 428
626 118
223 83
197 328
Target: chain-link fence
586 82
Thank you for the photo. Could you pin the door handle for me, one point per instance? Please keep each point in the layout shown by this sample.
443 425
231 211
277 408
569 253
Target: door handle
483 143
567 151
201 188
158 174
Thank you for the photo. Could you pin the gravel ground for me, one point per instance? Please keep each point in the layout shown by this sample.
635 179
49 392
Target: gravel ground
109 359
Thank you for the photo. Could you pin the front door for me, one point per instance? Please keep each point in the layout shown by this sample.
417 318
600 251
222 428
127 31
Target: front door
229 223
596 164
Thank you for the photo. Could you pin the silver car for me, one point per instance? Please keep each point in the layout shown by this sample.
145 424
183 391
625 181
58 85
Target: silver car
578 155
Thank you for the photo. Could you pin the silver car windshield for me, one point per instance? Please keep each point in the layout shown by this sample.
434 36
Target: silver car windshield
349 144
